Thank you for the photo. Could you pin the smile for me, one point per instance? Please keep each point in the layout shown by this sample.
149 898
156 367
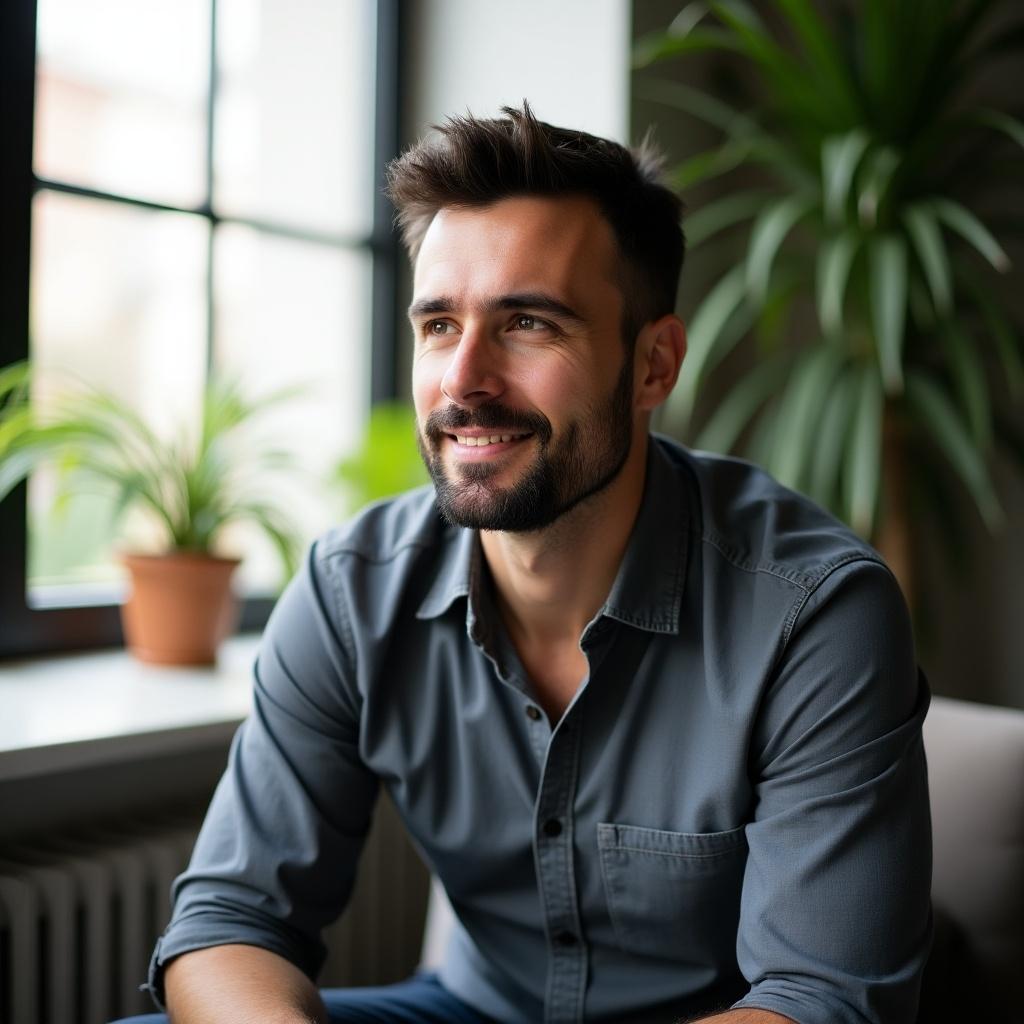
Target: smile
485 439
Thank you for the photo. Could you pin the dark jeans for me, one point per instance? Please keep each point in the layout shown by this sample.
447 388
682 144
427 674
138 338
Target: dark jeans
420 1000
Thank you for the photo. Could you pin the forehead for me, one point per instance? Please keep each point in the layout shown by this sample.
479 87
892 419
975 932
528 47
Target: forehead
527 243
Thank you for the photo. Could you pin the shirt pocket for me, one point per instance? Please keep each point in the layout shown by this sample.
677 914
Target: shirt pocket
674 895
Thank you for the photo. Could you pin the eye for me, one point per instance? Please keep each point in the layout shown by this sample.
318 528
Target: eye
437 328
525 322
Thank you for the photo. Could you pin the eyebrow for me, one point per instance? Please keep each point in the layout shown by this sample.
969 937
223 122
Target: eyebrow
519 300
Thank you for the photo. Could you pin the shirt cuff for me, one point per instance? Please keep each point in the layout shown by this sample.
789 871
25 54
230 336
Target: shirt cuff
801 1009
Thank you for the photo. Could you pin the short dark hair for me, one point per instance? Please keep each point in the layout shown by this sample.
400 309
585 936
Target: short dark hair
479 161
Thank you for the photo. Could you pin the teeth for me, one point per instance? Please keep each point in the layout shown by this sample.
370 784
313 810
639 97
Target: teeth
477 442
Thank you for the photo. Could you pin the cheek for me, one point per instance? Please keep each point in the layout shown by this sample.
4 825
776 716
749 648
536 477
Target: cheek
426 385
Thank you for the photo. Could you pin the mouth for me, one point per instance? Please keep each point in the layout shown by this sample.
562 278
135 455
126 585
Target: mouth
481 446
486 440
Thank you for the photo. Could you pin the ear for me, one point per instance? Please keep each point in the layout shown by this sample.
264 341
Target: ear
660 349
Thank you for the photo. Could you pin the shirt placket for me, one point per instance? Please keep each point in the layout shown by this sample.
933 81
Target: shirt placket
553 855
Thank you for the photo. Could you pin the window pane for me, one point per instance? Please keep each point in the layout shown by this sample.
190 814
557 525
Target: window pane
118 300
294 118
121 95
296 313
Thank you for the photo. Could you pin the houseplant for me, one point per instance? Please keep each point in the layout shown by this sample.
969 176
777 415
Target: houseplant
869 293
180 606
387 461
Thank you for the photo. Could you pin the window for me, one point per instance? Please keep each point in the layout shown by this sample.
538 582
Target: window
191 186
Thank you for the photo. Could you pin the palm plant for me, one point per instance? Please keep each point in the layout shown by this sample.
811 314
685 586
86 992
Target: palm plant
193 486
875 155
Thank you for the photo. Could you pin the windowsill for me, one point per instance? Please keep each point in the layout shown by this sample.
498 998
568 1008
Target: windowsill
67 712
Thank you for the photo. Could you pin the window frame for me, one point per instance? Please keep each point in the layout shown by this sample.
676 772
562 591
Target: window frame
25 630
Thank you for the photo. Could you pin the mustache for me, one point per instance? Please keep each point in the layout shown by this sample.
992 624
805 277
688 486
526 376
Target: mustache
498 418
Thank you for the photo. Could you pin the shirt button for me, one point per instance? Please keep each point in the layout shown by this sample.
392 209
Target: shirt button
552 827
532 712
565 939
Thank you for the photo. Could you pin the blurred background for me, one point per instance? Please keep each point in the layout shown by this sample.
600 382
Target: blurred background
195 192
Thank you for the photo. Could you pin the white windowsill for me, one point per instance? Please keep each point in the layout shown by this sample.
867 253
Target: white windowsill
73 711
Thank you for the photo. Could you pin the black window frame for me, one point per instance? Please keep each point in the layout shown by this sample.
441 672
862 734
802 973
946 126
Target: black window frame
25 630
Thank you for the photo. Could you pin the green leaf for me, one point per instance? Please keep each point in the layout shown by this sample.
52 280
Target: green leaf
939 416
780 72
275 526
1007 343
740 405
924 232
887 260
840 155
688 18
762 437
827 456
388 461
1002 122
827 61
661 46
96 436
799 412
707 165
965 224
878 170
835 258
708 337
14 379
709 219
863 463
969 377
766 236
699 104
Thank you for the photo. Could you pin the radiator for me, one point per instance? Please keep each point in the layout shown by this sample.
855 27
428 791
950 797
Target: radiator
80 912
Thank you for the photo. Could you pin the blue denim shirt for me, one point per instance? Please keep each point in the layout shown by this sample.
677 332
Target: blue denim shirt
733 809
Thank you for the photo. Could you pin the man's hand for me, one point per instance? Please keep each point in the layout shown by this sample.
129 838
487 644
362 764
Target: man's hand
237 985
747 1017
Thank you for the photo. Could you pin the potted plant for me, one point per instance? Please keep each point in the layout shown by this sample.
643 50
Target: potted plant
866 298
180 605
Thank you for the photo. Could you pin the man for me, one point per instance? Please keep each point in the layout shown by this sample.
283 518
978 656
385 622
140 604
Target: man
653 720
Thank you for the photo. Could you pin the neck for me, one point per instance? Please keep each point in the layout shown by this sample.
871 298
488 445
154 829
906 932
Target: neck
550 583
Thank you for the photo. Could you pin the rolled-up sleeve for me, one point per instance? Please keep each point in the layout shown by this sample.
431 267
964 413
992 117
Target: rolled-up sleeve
835 920
276 856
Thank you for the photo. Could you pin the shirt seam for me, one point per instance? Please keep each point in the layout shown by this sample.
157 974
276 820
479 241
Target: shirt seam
832 568
346 633
681 856
374 557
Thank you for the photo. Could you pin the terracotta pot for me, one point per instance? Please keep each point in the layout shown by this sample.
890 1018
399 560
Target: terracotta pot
180 607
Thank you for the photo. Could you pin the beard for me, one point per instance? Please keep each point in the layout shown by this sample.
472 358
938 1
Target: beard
565 471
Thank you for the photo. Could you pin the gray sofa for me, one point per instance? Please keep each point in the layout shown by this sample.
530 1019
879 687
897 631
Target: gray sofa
976 776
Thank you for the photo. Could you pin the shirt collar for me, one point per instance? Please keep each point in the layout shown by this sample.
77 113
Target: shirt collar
455 575
648 588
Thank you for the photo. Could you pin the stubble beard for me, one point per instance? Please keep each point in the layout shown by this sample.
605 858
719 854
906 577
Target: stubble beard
564 472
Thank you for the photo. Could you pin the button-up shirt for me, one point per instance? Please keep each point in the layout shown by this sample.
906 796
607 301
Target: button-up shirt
733 808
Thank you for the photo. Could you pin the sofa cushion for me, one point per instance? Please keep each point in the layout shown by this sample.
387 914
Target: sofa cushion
976 777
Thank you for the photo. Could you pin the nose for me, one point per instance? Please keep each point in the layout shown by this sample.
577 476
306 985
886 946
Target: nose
473 376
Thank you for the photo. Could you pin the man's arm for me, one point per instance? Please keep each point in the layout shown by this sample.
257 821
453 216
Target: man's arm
835 919
276 857
237 985
747 1017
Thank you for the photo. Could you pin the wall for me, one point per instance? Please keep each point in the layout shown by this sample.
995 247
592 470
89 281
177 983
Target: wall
569 58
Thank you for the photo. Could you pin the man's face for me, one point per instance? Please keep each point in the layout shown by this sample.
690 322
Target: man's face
522 384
